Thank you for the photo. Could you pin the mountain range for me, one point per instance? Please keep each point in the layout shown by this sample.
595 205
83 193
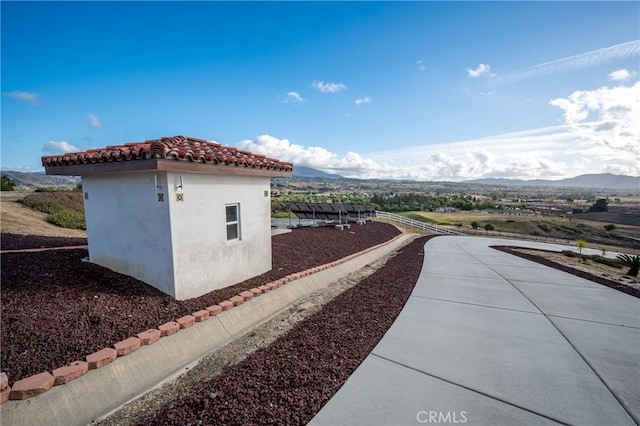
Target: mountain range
598 181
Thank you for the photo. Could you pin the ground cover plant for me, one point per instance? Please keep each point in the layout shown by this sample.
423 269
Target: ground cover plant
64 208
57 309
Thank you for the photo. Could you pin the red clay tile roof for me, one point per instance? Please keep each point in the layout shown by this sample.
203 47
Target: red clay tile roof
179 148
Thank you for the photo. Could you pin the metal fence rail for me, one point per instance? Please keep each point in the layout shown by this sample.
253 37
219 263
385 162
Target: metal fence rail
415 223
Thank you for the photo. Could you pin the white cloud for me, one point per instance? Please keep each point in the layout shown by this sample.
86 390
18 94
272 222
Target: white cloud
29 97
622 75
20 168
600 134
94 121
362 101
582 60
328 87
520 155
482 69
605 122
293 97
61 147
421 66
349 165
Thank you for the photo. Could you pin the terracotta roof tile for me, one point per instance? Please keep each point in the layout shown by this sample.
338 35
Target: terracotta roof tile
179 148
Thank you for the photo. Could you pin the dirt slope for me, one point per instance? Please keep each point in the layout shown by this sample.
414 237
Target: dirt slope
18 219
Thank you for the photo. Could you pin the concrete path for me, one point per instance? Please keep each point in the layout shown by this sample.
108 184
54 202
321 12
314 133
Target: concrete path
488 338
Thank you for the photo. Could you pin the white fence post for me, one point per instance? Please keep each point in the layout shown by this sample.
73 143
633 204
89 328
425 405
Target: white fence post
415 223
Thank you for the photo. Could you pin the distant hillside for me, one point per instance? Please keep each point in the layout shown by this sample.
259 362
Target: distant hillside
40 180
308 172
600 181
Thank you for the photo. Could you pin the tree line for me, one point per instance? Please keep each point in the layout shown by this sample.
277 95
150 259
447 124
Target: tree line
389 202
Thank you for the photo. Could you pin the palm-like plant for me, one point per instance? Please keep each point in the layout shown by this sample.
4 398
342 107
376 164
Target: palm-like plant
633 262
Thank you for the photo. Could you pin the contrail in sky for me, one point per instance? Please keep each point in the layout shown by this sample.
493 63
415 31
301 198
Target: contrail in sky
583 60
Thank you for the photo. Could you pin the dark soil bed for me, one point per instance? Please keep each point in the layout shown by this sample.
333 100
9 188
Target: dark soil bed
288 382
582 274
57 309
20 241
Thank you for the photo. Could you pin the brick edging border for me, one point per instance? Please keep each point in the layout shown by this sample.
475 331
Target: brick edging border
42 382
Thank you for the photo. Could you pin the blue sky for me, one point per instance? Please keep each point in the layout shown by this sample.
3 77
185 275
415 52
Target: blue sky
421 90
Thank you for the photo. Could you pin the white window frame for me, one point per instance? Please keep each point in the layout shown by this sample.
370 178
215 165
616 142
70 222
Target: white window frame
235 223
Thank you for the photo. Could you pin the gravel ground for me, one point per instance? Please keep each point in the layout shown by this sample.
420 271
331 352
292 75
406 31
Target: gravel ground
23 241
57 309
291 379
216 362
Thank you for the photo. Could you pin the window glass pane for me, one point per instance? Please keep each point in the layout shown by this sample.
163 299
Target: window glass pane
232 213
232 232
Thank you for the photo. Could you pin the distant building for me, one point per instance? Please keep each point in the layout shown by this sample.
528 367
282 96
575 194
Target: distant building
184 215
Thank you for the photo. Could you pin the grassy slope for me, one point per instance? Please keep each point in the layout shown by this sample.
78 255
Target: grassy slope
64 208
551 227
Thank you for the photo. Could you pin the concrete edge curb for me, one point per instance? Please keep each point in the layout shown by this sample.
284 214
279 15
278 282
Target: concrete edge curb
85 397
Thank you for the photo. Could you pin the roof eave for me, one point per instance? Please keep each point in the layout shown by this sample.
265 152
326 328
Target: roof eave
164 165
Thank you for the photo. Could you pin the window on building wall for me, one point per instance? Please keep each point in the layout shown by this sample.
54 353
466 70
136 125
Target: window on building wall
233 222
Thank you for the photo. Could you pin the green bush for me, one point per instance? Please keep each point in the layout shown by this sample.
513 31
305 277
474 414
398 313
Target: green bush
615 263
489 227
44 206
67 219
65 208
6 184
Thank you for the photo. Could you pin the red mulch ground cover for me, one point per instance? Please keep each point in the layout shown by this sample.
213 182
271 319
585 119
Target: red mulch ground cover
21 241
288 382
578 273
57 309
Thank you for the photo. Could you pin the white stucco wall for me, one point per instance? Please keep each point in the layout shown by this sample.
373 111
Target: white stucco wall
128 229
203 258
179 247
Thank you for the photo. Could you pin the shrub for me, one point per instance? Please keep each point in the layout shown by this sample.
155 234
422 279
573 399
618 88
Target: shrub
610 227
489 227
544 227
67 219
475 224
6 184
614 263
633 262
65 208
42 205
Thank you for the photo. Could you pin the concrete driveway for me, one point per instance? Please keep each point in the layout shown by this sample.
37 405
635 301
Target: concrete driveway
488 338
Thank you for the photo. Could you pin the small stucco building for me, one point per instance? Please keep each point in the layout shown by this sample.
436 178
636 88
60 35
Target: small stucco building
184 215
